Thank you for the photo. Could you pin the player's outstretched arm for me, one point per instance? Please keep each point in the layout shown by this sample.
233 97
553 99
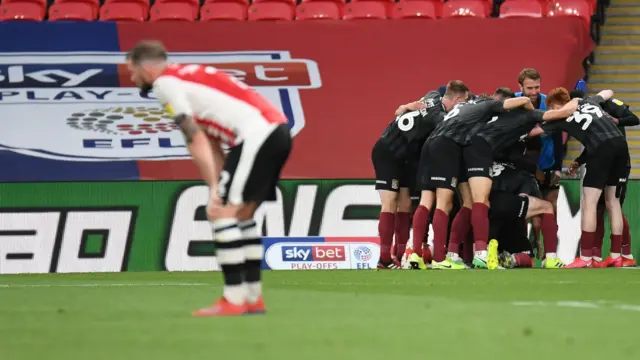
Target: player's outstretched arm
562 113
200 149
606 94
522 101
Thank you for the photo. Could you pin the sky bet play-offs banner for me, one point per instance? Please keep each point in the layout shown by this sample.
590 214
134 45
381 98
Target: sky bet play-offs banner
161 225
85 158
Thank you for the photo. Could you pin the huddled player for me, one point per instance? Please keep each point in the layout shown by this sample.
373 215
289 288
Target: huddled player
395 158
622 116
608 159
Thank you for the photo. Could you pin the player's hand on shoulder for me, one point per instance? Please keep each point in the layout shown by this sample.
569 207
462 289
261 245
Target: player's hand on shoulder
573 168
416 105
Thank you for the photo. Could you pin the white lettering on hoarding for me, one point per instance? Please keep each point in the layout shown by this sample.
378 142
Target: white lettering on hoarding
27 240
90 241
112 226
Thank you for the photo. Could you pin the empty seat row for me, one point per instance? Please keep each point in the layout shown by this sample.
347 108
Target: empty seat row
183 11
145 4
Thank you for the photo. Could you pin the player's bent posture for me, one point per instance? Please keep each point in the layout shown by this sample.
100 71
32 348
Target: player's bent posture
447 167
621 116
395 157
213 108
498 134
608 158
516 198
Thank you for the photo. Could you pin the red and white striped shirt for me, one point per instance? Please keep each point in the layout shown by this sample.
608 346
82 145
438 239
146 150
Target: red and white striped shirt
224 107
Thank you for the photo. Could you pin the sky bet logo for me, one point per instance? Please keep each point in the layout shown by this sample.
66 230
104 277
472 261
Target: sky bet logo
313 253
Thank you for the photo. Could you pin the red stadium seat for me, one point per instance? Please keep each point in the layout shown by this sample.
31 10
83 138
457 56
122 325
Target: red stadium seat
42 4
72 11
570 8
365 10
142 3
464 8
316 10
268 11
121 11
515 8
21 12
342 2
244 2
176 11
290 2
488 5
95 5
194 4
436 3
223 11
414 10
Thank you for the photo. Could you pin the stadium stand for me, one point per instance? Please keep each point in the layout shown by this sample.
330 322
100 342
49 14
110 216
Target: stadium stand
301 10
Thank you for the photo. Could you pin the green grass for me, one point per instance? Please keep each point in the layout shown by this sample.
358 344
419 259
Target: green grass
330 315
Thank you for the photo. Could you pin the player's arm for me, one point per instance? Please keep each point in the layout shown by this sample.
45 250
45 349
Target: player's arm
412 106
536 131
605 95
514 103
621 112
582 158
562 113
203 152
168 90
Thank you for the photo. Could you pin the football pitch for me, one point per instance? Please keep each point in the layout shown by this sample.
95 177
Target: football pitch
515 314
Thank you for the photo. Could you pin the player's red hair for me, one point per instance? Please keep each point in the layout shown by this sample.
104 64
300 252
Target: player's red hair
558 96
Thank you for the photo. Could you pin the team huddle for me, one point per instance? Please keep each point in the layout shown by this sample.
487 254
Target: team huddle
480 155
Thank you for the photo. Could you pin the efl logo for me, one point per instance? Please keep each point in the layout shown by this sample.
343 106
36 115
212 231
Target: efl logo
314 253
101 116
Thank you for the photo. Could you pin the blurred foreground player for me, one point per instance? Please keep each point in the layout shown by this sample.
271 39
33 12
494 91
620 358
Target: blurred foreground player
622 116
608 158
395 158
212 109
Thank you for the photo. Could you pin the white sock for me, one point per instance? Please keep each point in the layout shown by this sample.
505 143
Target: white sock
551 256
230 255
598 259
585 258
627 256
481 254
614 255
453 256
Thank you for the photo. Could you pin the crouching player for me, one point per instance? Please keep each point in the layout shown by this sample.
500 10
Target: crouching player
515 198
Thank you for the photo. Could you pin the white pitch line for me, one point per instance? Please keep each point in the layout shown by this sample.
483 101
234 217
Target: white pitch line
6 286
601 304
